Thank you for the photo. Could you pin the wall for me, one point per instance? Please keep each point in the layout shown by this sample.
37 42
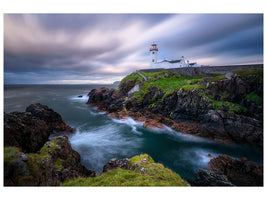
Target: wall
201 71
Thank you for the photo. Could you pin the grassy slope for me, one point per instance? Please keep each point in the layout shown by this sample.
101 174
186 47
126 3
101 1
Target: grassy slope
146 173
170 83
133 77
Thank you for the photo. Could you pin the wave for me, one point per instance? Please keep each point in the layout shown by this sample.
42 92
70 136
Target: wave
130 122
97 146
84 98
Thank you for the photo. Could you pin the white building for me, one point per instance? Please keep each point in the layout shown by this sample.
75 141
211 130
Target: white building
167 63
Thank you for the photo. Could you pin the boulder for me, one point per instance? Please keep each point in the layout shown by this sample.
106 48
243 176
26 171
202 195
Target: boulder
30 130
116 163
239 171
206 177
52 118
153 124
105 99
25 131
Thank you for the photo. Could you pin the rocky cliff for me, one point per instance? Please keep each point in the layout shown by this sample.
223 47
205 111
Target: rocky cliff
225 109
30 159
226 171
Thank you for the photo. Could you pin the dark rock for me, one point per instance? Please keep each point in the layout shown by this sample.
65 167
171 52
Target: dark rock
206 177
56 163
30 130
222 123
239 171
105 99
115 163
25 131
153 124
52 118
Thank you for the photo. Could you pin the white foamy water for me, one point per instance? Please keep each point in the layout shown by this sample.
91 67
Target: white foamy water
84 98
130 122
99 145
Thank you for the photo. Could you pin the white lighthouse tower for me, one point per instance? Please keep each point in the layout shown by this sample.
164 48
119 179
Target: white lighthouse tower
153 54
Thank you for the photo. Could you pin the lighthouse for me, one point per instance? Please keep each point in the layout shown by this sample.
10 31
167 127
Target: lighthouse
178 63
153 54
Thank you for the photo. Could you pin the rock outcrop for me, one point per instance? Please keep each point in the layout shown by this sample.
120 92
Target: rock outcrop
226 171
30 159
206 177
55 163
106 99
239 171
52 118
117 163
30 130
223 109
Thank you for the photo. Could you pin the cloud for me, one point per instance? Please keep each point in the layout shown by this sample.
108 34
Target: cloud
113 45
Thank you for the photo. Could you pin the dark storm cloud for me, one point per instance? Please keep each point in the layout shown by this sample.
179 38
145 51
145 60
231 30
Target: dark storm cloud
206 29
76 22
76 47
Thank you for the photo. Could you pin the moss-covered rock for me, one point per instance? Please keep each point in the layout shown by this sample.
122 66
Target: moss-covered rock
144 172
129 82
56 162
10 154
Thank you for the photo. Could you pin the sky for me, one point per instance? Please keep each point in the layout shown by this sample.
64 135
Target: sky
103 48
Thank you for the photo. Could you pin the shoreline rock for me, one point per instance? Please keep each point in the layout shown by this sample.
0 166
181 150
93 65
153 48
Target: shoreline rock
226 171
31 129
221 111
206 177
30 159
240 171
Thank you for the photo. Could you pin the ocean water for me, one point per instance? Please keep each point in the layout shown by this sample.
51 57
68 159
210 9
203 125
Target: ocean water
99 138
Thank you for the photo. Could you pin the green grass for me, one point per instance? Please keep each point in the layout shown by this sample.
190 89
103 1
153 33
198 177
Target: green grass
152 76
151 174
174 82
233 107
50 147
58 163
217 78
120 177
138 158
168 85
254 97
35 161
246 74
10 154
134 77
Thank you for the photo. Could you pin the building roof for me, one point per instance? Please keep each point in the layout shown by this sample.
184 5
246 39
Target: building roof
192 63
171 61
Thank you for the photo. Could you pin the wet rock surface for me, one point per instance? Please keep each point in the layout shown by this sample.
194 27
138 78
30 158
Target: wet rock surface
106 99
52 118
206 177
30 130
226 171
240 171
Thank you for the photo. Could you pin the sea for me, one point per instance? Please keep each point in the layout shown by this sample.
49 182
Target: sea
99 138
